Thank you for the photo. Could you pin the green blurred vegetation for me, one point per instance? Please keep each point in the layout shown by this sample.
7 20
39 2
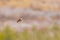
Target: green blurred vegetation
33 34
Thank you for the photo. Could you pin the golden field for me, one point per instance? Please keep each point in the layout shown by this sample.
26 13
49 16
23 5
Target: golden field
53 5
34 24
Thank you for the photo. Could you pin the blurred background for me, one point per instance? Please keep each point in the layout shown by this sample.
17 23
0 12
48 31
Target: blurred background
40 13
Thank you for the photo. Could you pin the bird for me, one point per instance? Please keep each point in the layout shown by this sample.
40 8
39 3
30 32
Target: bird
19 20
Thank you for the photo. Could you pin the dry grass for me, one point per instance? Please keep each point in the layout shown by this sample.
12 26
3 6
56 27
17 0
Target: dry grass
32 34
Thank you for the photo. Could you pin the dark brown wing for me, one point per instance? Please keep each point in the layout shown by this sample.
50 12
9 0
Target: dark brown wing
19 20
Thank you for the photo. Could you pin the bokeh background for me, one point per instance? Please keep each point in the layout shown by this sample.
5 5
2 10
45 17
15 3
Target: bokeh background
40 19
